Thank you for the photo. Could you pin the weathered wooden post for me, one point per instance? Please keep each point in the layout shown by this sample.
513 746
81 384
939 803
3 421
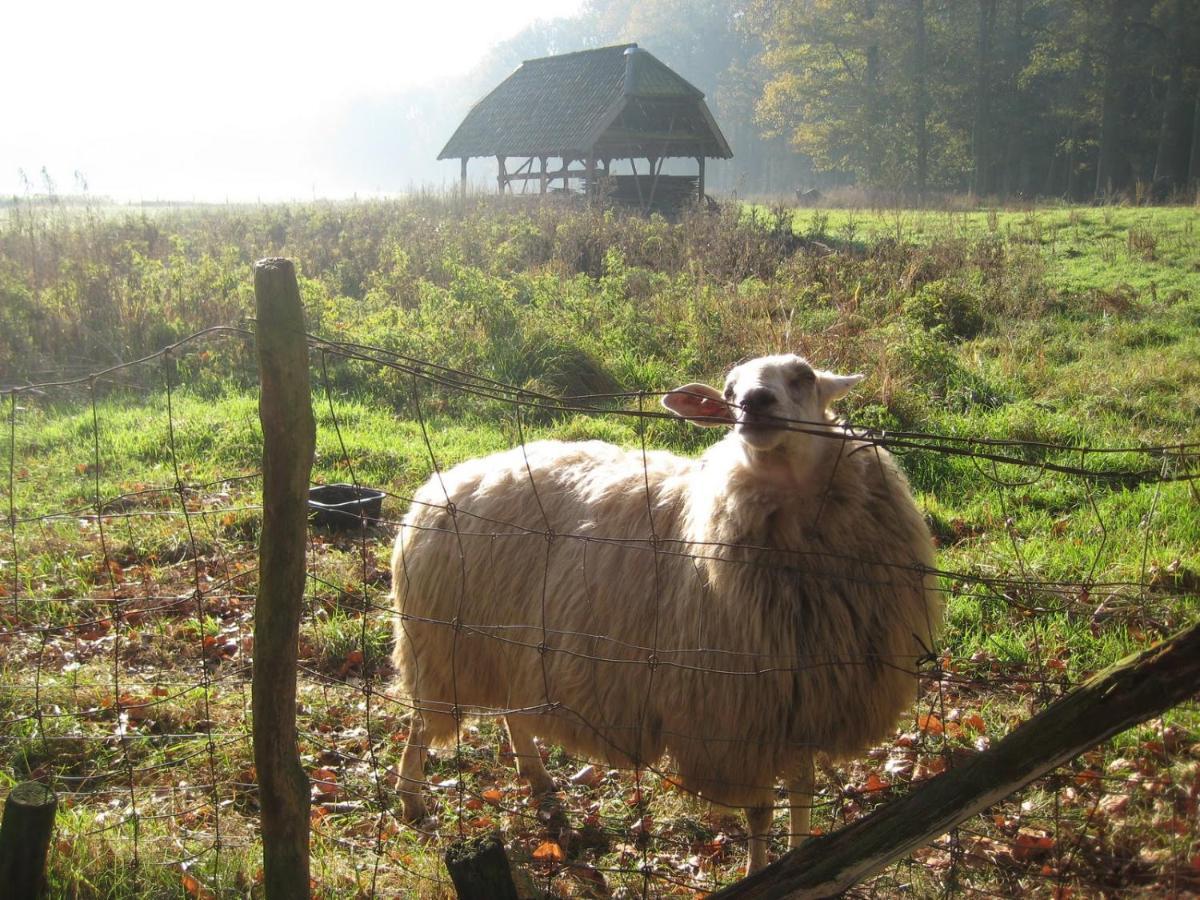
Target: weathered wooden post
463 179
479 869
289 437
25 839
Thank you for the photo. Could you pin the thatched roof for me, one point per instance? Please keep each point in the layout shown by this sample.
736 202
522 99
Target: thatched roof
612 102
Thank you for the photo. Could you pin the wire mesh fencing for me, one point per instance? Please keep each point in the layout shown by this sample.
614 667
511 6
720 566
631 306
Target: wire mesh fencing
128 595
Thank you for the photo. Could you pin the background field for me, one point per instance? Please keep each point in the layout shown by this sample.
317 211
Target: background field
128 577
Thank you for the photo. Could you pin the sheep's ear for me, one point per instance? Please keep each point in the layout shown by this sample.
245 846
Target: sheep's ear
835 387
699 404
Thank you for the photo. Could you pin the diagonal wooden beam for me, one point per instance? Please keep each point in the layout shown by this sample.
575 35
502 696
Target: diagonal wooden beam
1137 688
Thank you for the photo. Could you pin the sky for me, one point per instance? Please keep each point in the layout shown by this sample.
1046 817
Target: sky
226 101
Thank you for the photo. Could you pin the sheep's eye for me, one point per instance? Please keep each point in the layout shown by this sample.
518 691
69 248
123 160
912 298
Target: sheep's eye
729 392
803 377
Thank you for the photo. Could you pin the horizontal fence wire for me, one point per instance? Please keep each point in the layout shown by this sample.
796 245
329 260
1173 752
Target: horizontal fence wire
126 604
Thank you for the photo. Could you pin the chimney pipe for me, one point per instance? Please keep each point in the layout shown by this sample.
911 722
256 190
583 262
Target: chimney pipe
630 55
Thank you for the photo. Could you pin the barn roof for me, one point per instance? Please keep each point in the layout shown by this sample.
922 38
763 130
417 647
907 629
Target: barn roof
615 101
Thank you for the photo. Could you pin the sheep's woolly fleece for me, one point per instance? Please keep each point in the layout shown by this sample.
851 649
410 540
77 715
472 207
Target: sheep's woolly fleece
741 610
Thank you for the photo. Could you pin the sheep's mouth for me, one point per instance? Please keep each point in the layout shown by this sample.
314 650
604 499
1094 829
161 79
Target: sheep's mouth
757 426
760 423
759 433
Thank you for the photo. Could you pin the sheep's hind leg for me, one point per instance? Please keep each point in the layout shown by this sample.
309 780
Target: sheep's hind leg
529 760
800 801
758 821
412 771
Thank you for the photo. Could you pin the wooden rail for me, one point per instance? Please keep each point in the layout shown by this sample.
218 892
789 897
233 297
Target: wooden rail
1133 690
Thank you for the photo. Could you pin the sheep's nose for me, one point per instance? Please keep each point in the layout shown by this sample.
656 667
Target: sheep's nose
758 400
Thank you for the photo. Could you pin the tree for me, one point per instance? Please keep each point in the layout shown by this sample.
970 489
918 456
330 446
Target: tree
824 93
1112 171
982 182
1177 20
869 87
920 80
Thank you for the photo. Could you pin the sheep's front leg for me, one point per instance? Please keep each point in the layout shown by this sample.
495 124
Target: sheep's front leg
800 800
758 820
412 771
529 760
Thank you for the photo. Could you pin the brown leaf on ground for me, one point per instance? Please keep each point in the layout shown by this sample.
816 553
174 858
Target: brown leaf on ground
930 724
549 851
325 786
1031 843
194 888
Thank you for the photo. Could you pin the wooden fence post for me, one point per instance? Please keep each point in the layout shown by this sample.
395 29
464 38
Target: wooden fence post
25 839
479 869
289 437
1131 691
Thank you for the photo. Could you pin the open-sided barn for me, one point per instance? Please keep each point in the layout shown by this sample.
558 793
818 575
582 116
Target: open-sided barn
569 117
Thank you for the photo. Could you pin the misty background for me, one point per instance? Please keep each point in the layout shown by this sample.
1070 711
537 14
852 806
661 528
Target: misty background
271 101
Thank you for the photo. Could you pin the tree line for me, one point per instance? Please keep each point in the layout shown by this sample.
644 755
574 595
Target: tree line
1011 98
1074 98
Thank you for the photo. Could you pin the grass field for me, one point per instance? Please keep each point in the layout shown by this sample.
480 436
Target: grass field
128 566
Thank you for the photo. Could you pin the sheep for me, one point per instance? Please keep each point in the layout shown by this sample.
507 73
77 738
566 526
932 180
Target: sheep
741 611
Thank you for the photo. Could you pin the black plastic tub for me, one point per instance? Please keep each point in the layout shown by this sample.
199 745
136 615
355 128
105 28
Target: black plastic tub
344 506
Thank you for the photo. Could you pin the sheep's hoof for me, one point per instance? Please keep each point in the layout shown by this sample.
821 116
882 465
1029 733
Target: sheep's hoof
540 788
425 826
413 811
551 812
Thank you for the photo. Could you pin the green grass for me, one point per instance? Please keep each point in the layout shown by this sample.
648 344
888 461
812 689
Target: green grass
1095 249
1078 327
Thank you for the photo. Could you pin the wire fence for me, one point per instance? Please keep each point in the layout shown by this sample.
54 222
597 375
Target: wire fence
128 592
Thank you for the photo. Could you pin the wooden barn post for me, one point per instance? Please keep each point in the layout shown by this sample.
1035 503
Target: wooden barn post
502 174
463 168
289 437
700 189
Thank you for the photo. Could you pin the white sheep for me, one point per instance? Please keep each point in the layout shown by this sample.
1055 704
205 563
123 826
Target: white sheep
740 611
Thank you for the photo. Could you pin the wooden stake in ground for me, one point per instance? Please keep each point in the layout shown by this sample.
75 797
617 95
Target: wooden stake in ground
25 839
289 437
479 869
1138 688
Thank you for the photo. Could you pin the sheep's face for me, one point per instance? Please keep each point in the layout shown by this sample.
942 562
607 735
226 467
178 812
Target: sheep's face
768 401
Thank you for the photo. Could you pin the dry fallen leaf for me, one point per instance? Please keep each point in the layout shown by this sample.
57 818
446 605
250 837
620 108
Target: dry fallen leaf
325 786
930 724
1030 844
1114 805
549 851
975 721
194 888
